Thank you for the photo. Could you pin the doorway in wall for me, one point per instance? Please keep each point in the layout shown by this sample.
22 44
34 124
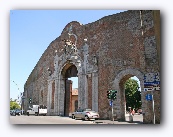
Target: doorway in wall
71 95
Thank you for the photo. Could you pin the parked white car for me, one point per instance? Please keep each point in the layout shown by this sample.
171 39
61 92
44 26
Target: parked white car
86 114
37 110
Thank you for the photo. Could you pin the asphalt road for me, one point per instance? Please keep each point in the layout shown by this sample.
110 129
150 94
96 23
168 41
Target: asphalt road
24 119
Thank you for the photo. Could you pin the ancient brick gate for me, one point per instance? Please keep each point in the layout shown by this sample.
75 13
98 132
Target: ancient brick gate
103 55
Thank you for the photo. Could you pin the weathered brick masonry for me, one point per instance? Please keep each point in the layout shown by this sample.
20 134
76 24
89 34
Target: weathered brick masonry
117 47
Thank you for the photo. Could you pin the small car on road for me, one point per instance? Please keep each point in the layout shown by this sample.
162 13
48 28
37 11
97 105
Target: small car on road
85 114
16 112
11 112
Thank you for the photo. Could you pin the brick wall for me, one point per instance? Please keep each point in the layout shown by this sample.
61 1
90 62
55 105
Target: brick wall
118 44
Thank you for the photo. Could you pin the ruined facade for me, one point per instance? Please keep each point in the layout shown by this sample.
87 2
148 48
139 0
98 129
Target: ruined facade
103 55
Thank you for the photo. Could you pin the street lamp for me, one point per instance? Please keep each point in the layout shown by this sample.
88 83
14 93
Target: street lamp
20 97
18 90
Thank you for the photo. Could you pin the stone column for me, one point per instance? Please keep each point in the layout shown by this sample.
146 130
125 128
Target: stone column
116 103
85 53
121 96
56 98
81 91
95 91
49 97
61 96
86 92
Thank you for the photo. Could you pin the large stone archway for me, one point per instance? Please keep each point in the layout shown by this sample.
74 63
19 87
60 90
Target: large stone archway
118 84
59 78
71 56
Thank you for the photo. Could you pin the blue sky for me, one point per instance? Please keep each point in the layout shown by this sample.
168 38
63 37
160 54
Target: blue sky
31 32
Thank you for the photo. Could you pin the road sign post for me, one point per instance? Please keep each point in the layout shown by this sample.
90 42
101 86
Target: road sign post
150 97
153 108
112 95
111 104
112 112
152 83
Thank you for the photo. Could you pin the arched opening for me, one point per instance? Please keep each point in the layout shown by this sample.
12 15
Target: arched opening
131 92
70 95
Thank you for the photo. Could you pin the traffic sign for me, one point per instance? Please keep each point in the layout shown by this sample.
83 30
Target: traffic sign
148 89
110 103
148 97
151 79
152 83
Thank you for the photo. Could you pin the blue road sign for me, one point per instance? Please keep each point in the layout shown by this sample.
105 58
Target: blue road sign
152 83
148 97
151 79
110 103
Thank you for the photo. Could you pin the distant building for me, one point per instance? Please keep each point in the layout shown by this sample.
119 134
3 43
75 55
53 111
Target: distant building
74 100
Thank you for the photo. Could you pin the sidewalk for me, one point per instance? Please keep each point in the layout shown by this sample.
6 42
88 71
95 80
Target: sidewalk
137 119
116 122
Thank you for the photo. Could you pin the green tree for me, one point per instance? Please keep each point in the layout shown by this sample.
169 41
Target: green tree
132 94
14 105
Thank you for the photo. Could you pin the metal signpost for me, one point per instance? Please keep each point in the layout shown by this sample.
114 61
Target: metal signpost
111 104
112 111
149 97
111 94
151 83
153 109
